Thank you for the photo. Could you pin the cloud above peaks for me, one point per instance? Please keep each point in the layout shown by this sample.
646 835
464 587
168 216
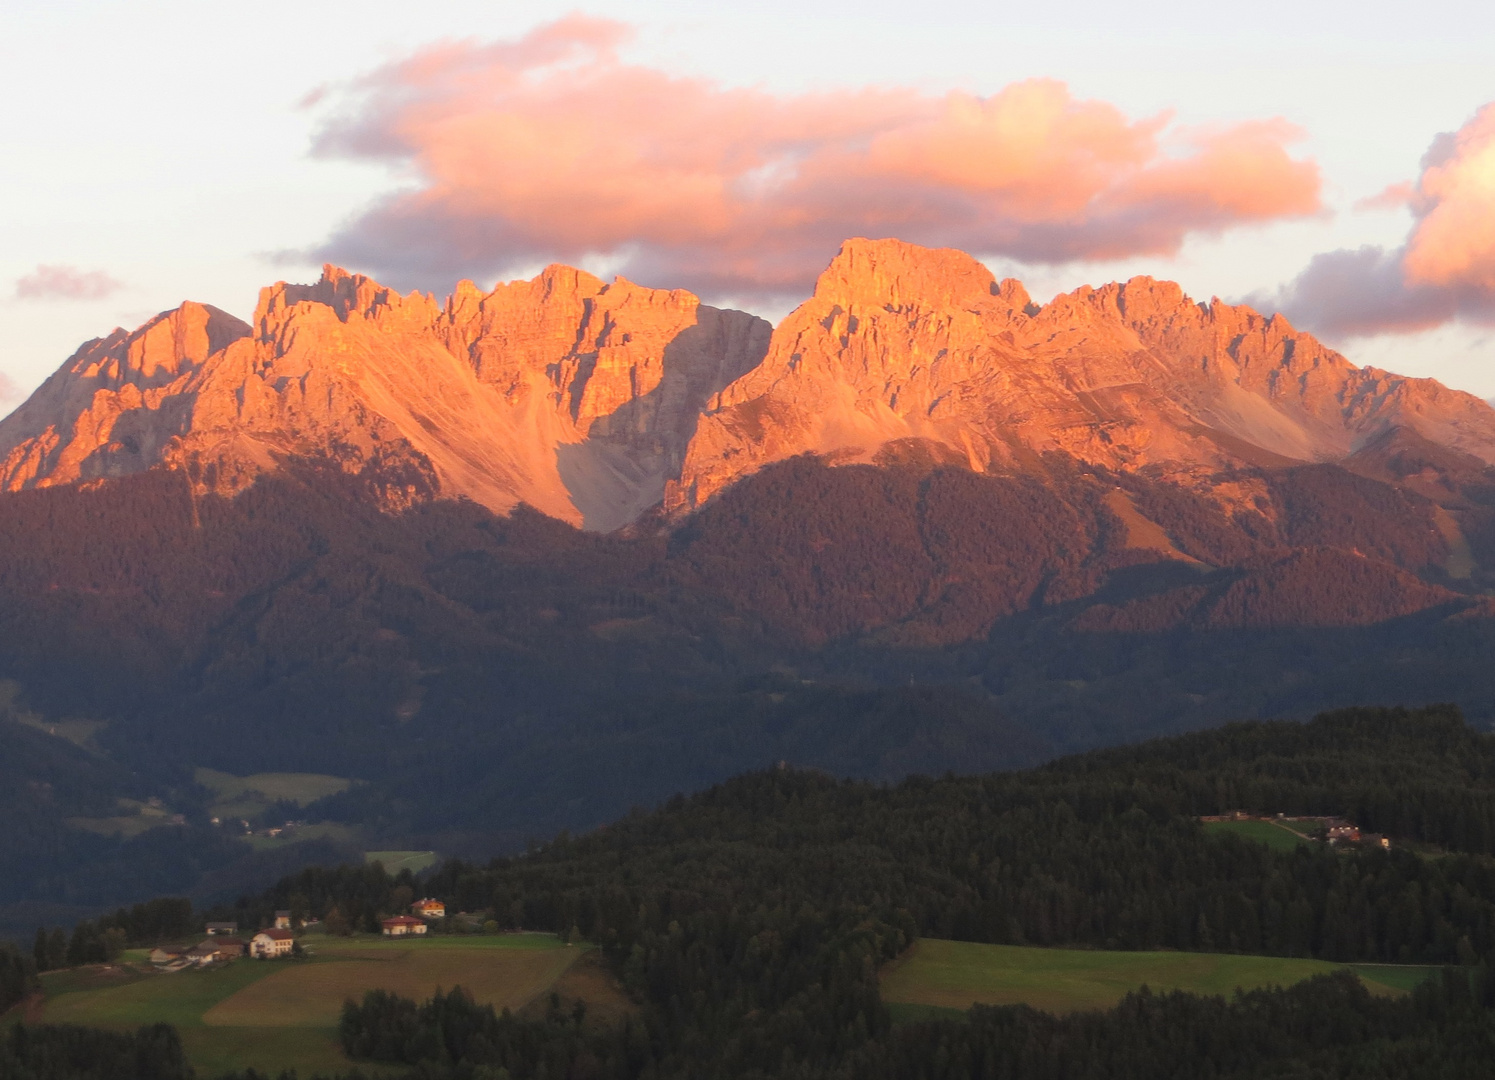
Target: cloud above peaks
1445 270
57 282
551 147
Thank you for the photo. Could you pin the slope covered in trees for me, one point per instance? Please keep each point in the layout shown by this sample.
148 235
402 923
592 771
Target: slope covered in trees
494 678
749 920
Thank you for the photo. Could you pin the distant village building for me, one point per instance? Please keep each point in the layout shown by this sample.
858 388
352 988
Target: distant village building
1343 832
164 954
282 920
229 928
272 943
230 948
202 954
401 925
429 909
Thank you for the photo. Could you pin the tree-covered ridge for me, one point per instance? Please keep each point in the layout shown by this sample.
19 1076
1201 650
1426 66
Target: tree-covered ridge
750 919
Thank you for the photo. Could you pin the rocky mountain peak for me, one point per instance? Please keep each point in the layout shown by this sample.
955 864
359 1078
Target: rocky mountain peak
901 342
594 401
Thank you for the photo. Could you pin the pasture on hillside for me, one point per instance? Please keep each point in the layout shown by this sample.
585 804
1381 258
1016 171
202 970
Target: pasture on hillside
282 1014
1275 836
246 796
944 975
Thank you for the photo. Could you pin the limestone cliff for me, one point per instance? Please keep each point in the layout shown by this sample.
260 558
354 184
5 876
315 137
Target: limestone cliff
594 402
902 342
569 394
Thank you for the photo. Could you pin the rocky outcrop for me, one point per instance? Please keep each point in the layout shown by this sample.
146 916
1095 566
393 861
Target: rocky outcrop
901 342
110 409
572 395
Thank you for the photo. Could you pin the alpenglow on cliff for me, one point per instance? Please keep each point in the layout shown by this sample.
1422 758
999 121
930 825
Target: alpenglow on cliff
596 403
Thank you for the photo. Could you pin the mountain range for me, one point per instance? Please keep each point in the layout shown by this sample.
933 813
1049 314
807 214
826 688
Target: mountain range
595 403
522 559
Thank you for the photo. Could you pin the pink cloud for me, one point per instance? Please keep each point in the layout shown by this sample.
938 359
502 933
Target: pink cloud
551 147
8 391
1391 197
1446 268
57 282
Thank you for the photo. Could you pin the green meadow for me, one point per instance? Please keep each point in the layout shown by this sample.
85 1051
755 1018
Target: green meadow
395 861
1277 837
954 975
245 796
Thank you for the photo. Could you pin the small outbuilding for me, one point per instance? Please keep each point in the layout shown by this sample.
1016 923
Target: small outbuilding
283 920
229 948
216 928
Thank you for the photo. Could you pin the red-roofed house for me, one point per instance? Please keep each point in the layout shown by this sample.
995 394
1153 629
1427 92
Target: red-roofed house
428 909
269 944
401 925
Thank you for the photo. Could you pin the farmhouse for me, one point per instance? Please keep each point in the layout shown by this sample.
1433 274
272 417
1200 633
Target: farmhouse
229 948
162 954
269 944
429 909
202 954
401 925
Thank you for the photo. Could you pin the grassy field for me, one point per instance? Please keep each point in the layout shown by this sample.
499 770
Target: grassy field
245 796
1277 837
395 861
275 1015
956 975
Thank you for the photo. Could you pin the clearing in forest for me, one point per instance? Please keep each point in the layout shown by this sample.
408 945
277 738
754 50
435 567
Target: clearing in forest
959 974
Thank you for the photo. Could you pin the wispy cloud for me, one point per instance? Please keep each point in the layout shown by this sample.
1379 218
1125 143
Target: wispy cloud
1445 271
58 282
8 391
551 147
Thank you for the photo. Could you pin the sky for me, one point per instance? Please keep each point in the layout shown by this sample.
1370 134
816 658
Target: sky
1327 159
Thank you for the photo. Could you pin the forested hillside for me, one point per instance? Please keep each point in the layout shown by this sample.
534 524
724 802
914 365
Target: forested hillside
487 679
750 920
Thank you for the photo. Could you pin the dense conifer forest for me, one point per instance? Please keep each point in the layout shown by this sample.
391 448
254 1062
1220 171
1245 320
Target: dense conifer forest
749 921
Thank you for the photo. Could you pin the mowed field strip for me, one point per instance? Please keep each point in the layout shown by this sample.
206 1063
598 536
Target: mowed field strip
273 1015
959 974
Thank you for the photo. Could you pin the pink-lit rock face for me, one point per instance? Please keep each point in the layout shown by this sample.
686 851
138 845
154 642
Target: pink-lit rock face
571 395
903 342
594 402
111 408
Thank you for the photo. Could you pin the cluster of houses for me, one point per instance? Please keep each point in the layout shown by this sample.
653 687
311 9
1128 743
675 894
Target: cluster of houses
402 925
224 943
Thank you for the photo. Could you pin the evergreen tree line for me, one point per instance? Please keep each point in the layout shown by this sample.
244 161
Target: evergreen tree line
69 1052
101 941
1327 1027
17 975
